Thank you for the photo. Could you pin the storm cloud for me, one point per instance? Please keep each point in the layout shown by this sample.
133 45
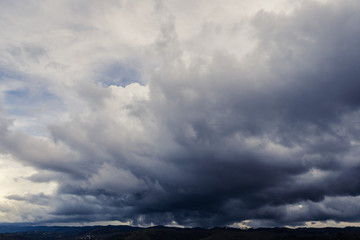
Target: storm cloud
243 116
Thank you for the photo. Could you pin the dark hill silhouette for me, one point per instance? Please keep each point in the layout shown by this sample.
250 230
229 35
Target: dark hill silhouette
167 233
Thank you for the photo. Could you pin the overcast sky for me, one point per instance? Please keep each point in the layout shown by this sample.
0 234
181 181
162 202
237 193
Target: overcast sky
193 113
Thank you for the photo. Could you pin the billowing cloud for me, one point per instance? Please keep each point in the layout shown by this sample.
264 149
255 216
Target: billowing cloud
163 112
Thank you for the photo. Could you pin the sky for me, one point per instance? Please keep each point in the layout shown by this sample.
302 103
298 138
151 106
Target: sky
183 113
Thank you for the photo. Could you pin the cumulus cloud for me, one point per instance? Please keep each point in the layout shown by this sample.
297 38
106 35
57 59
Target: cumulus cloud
203 115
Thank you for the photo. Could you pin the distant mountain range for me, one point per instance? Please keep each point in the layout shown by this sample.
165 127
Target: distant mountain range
13 232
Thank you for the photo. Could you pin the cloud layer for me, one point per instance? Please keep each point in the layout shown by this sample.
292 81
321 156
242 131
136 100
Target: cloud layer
202 114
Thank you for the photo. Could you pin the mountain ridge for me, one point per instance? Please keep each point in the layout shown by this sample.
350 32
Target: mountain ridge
110 232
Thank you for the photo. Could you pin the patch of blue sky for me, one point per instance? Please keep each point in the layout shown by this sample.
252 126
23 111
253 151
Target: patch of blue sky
119 74
20 102
32 110
6 74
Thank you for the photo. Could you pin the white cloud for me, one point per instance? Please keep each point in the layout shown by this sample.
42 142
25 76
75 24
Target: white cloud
14 182
131 103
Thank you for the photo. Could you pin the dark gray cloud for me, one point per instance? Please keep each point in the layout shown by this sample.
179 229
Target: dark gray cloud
272 137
